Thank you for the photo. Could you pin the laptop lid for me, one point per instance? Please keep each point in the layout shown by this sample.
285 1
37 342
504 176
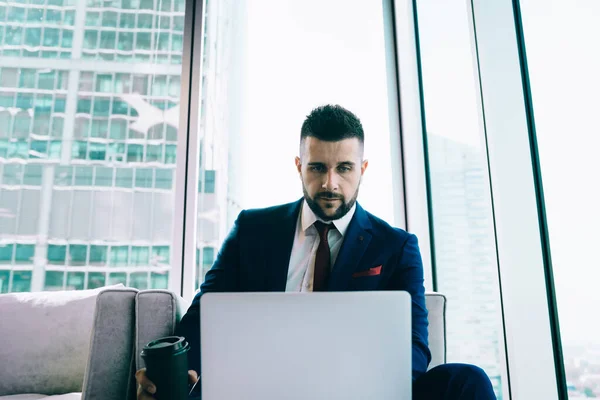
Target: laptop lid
336 345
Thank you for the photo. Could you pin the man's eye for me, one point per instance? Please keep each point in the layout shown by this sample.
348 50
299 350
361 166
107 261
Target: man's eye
316 168
344 169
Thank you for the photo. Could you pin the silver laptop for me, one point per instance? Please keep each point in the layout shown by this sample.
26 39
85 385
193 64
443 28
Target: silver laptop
309 346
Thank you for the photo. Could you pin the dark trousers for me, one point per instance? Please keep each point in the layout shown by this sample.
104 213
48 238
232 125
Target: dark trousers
453 382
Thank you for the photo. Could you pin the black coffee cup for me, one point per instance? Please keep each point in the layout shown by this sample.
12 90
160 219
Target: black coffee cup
167 366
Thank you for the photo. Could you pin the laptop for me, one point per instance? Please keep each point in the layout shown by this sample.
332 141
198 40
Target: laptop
335 345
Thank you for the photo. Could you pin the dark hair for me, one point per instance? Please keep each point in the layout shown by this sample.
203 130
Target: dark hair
332 123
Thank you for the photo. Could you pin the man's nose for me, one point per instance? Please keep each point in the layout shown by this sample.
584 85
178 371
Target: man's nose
331 181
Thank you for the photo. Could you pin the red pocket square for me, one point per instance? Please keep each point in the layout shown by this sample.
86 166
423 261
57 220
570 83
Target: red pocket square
369 272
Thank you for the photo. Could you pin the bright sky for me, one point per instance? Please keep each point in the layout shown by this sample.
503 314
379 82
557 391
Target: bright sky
304 54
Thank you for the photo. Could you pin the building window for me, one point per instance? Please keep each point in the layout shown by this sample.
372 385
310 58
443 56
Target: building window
96 280
98 255
57 254
209 181
160 255
6 253
24 253
140 255
75 281
21 281
119 256
77 254
4 281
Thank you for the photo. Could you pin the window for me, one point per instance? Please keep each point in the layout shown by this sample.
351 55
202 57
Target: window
75 281
103 177
463 225
96 280
160 255
563 61
139 280
21 281
90 39
57 255
33 175
159 280
77 254
98 255
143 178
77 112
209 181
226 183
124 177
164 179
139 255
114 278
6 253
24 253
4 281
54 280
119 256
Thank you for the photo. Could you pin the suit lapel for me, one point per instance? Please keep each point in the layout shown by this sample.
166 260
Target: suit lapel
279 246
356 241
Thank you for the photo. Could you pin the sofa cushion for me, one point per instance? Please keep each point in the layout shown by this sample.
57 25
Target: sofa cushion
48 335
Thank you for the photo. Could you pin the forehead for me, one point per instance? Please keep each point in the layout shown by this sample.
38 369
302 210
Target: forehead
316 150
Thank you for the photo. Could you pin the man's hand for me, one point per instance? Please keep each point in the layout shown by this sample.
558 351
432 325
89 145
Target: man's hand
146 388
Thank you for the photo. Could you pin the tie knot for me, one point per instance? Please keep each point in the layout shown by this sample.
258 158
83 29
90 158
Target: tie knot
323 229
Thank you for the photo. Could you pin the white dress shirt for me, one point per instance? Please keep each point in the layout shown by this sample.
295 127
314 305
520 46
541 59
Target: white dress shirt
306 241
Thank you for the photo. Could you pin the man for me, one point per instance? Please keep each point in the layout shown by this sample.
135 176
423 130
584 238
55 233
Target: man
328 242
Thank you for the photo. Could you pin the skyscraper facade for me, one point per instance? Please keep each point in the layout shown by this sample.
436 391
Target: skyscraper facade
465 254
89 130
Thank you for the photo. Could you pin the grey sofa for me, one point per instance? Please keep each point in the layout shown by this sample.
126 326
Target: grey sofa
86 344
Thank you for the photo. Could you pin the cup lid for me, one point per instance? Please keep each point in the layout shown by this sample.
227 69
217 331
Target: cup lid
166 345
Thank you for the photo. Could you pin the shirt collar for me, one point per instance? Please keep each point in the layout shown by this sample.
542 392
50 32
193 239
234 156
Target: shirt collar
309 218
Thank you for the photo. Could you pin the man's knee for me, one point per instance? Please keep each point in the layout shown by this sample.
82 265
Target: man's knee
473 372
455 381
463 371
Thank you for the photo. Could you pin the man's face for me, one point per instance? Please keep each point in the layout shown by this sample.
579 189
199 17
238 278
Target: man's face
330 174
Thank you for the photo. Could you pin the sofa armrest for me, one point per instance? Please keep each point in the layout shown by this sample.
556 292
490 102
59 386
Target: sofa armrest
157 314
436 306
109 373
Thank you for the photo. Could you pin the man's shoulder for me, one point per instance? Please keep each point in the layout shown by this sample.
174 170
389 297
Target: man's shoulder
254 215
385 230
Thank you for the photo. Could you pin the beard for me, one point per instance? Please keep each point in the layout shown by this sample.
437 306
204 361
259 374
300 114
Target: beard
319 211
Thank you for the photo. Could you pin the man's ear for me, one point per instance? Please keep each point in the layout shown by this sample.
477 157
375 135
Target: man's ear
363 167
298 164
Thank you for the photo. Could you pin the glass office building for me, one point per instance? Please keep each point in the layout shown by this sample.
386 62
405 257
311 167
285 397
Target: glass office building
89 115
464 246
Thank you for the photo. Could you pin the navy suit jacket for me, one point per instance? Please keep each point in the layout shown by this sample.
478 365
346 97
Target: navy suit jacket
256 254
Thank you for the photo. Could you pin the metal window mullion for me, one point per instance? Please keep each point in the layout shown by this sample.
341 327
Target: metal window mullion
391 59
186 194
412 131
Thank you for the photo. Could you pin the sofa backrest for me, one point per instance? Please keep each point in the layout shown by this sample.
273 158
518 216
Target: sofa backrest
111 362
